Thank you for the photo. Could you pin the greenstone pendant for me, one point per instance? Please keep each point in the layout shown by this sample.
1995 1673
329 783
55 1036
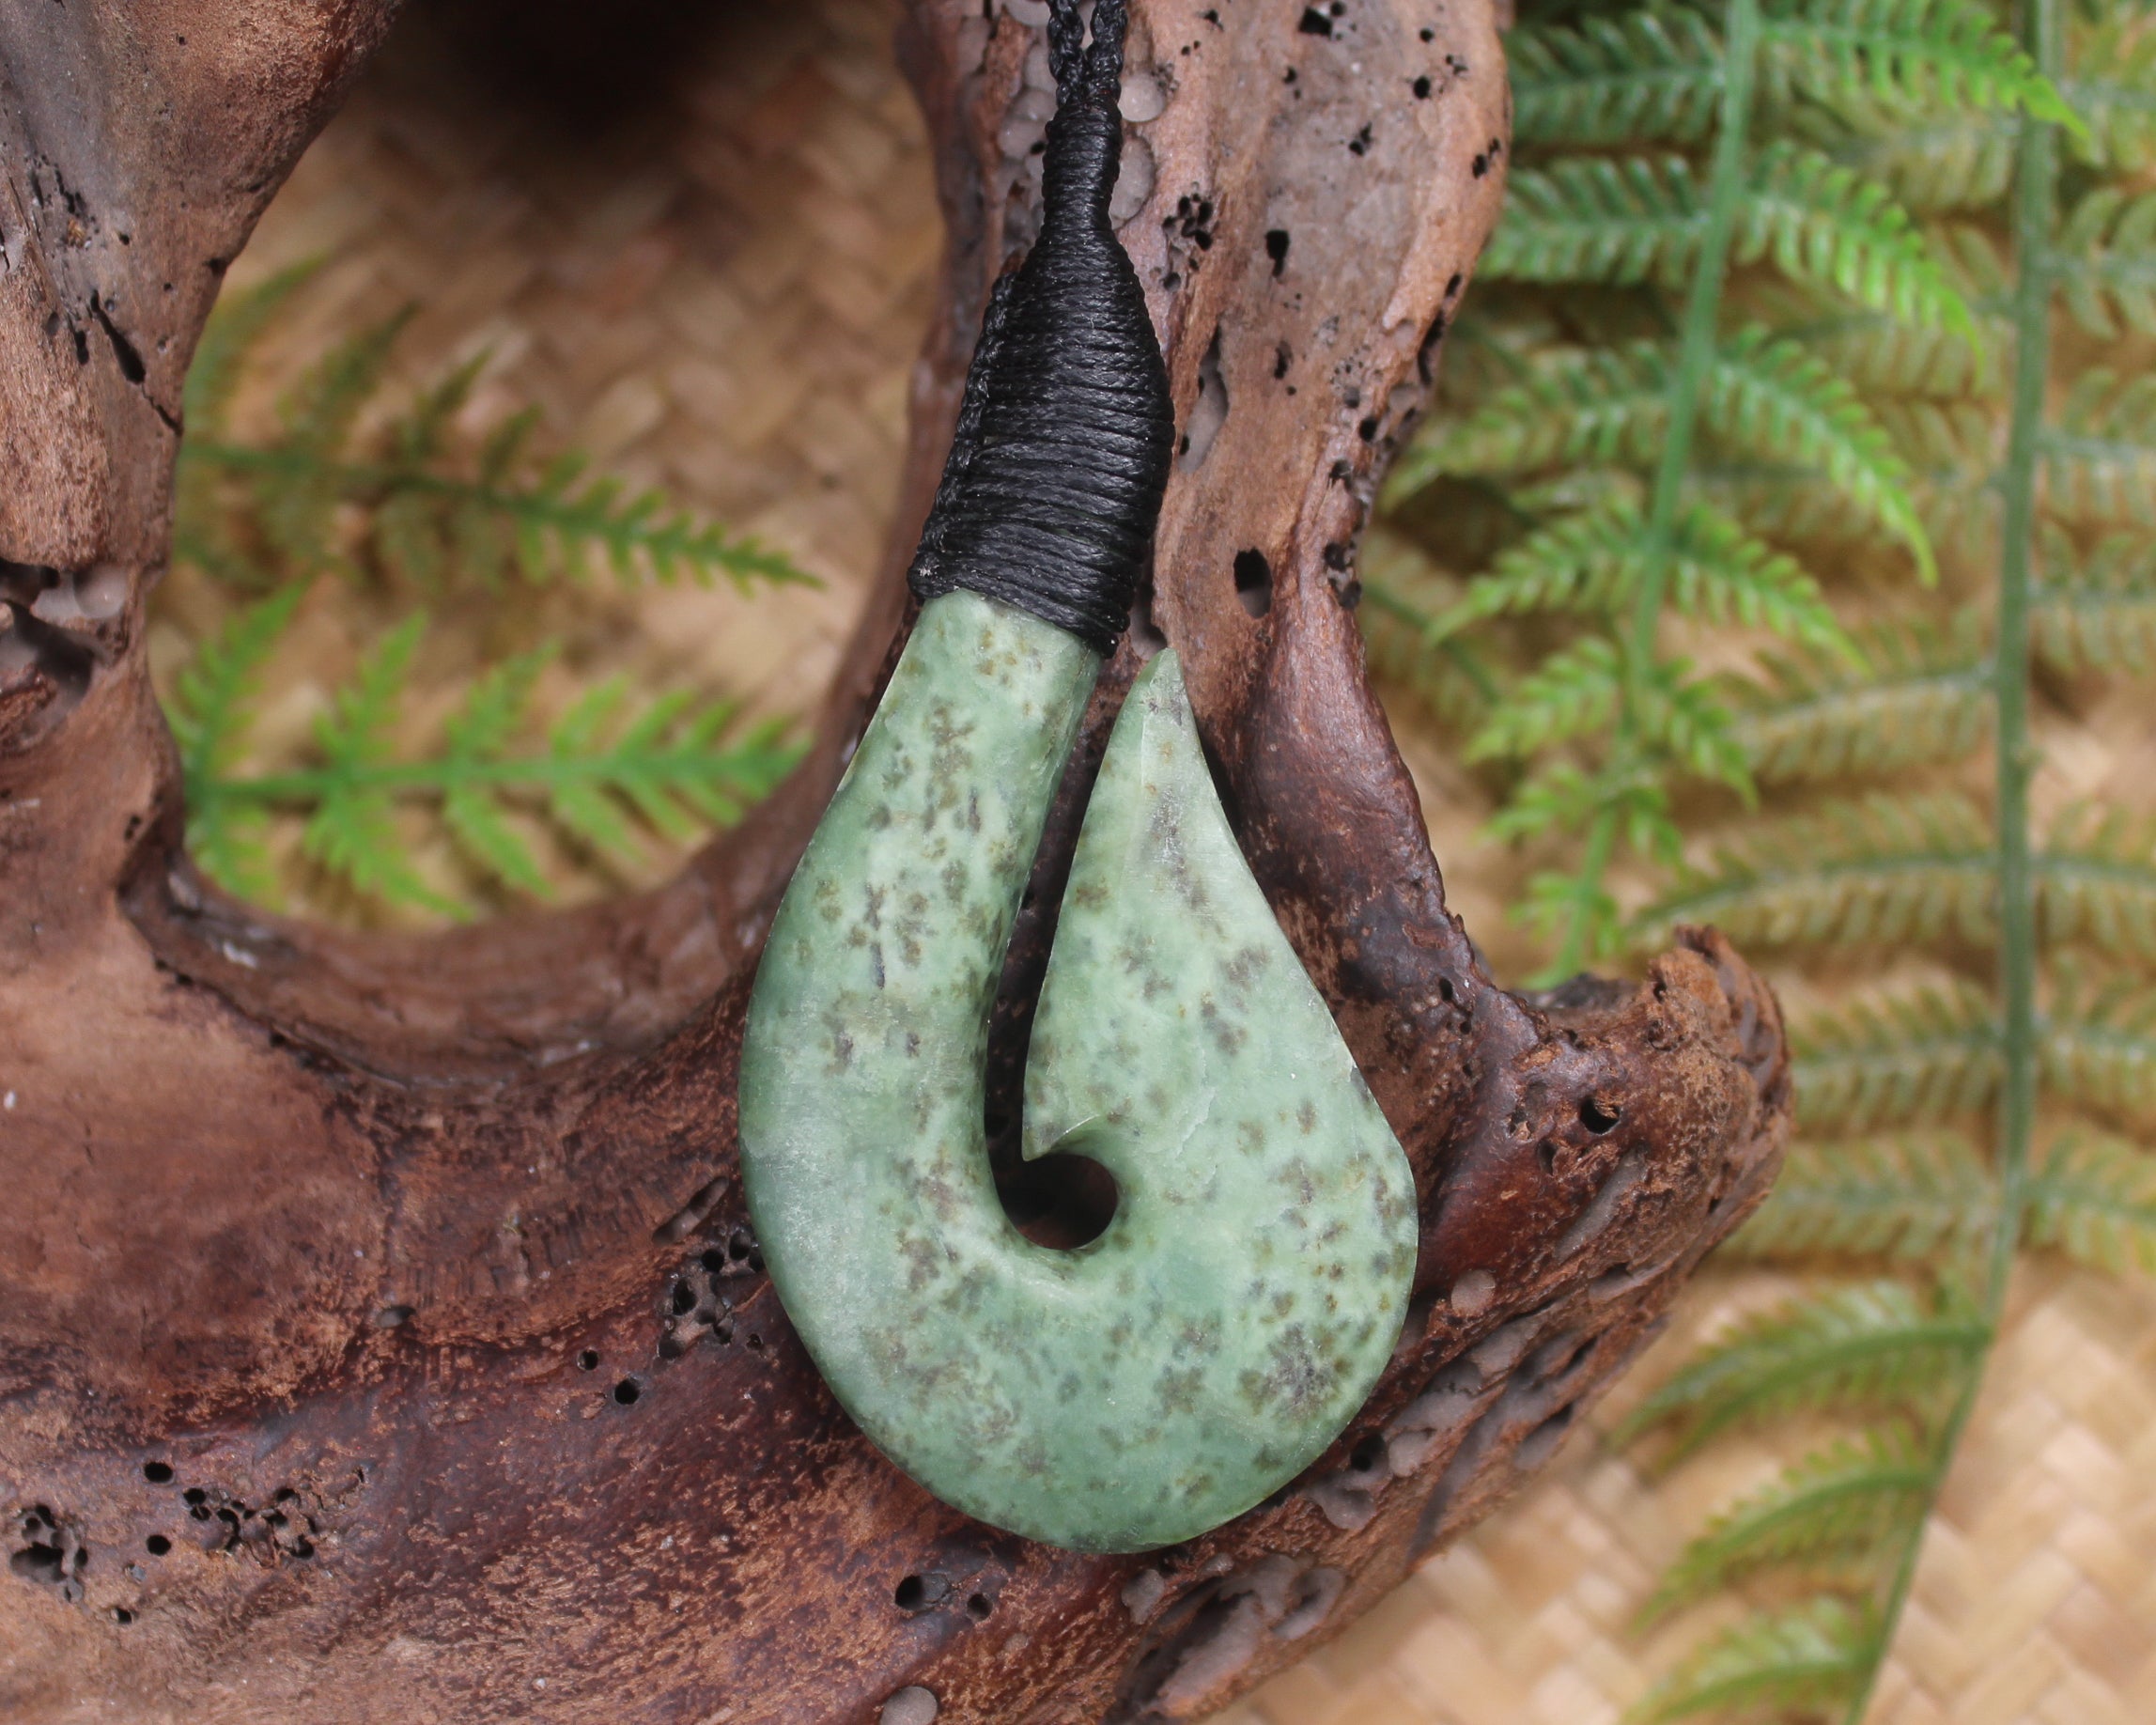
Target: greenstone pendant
1208 1345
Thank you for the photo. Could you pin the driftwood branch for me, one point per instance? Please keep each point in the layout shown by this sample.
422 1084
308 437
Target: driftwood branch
381 1336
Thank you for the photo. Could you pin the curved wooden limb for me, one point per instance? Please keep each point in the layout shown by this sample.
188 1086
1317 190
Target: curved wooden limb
377 1328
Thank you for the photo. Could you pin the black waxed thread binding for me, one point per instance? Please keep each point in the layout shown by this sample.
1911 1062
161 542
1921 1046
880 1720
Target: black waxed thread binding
1053 484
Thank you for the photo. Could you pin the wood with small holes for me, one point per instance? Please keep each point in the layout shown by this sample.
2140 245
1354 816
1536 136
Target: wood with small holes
416 1258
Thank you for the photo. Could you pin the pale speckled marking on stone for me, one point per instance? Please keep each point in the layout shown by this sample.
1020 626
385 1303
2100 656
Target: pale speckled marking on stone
1237 1310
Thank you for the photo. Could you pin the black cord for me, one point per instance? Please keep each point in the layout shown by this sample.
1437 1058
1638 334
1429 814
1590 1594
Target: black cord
1054 479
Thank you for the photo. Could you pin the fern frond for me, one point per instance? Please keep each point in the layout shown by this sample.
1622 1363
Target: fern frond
1637 219
1654 72
1933 160
209 715
1767 395
2112 87
1599 219
560 522
1897 870
1825 223
2097 613
353 835
1885 357
1841 1508
2093 1197
1917 1198
1952 447
1936 56
2099 1047
1574 693
227 339
2108 277
2099 459
208 711
316 418
2097 881
1918 693
1907 1058
604 770
1581 405
1559 902
1807 1660
1559 795
1571 693
1872 1343
482 732
1593 561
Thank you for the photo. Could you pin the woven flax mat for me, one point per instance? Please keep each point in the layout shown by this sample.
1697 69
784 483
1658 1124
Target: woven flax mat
718 287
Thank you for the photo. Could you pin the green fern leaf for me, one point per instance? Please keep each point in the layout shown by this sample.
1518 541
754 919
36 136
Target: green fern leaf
1635 219
1885 357
1867 1345
1581 405
2097 613
209 714
1885 870
1561 797
230 844
1593 561
1558 903
578 805
1841 1509
1921 54
1917 1198
208 711
2109 278
1910 1058
228 338
1765 397
2112 87
2099 1047
1766 394
2093 1197
2099 459
1599 219
353 835
296 487
1571 693
1917 694
1574 694
416 437
481 733
2097 881
1931 161
355 732
1654 72
1808 1660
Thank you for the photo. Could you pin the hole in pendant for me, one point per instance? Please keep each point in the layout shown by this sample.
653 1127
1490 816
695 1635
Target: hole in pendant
1062 1201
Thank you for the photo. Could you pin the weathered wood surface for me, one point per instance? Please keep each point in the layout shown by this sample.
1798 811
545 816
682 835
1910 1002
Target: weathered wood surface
380 1337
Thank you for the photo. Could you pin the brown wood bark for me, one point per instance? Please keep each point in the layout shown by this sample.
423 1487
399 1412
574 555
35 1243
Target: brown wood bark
380 1335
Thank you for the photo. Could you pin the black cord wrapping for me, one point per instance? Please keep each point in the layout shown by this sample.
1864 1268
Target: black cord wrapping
1055 475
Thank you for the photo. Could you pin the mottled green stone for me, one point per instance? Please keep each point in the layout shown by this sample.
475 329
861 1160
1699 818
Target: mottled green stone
1163 1378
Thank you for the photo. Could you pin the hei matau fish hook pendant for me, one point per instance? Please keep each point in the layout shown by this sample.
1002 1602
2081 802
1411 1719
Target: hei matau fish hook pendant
1234 1314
